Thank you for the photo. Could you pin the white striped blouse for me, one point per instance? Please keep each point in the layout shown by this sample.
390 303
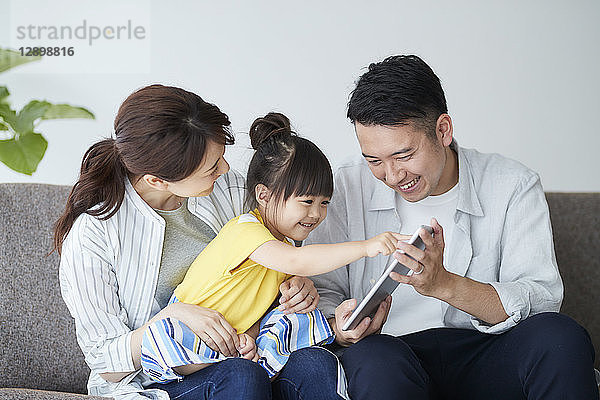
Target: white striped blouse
108 274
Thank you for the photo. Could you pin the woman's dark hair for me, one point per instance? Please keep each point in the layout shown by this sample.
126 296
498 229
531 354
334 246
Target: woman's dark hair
285 163
159 130
397 91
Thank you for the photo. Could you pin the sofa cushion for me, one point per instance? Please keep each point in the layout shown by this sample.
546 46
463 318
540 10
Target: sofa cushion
38 348
576 226
30 394
37 339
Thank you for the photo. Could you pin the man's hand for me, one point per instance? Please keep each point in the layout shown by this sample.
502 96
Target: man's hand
248 347
365 328
429 277
298 295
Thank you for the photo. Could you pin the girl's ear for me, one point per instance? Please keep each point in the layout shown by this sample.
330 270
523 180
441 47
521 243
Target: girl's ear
262 194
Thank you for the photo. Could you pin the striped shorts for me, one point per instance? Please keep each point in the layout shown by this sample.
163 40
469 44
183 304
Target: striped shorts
168 343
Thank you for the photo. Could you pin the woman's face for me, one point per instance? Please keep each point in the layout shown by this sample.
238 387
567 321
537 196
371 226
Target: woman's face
201 181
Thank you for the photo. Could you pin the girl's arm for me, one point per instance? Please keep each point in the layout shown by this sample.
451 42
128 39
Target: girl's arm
317 259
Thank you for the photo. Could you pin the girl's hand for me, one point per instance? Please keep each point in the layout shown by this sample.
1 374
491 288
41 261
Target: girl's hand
384 243
298 295
209 325
248 347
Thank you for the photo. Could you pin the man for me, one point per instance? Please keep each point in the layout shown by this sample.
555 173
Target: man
478 317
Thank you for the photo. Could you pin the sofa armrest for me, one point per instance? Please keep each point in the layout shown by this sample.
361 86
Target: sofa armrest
32 394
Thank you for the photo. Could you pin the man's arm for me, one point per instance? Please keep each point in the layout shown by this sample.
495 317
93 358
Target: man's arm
528 278
333 287
475 298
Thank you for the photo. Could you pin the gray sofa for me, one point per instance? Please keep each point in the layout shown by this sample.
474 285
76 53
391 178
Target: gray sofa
38 352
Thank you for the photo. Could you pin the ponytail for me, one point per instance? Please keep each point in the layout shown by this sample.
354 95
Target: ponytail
99 191
270 127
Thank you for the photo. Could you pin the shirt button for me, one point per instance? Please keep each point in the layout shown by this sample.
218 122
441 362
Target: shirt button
372 281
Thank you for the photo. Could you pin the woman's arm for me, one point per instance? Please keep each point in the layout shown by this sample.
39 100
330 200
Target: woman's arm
317 259
90 290
208 324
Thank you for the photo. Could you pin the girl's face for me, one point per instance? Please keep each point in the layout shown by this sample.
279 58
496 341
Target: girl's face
297 216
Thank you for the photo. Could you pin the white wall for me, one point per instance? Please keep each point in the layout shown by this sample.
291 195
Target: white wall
521 77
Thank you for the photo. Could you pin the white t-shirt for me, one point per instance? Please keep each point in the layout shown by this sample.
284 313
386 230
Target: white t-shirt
411 311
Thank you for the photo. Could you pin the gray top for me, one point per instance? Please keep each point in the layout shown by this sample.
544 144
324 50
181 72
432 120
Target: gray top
185 237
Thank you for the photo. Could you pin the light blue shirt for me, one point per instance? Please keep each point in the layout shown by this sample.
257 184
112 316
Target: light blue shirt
502 236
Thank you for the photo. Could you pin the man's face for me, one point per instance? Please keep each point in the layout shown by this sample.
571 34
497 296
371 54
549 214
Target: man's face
409 161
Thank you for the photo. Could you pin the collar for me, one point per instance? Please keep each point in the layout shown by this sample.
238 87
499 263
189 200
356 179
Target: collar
468 202
140 204
383 198
257 214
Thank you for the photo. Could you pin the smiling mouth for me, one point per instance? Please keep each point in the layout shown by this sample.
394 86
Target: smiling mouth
410 185
304 225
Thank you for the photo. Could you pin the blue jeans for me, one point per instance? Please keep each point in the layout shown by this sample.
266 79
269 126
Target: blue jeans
546 356
310 373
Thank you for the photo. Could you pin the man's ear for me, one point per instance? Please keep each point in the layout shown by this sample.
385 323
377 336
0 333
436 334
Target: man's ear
444 130
262 194
155 182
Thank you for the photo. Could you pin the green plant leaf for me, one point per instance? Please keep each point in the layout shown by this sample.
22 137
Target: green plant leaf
4 93
11 58
8 115
4 107
66 111
32 111
23 154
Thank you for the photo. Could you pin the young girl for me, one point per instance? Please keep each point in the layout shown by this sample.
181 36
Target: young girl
238 274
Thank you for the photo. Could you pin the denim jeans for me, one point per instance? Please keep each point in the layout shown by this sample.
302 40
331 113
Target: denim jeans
310 373
546 356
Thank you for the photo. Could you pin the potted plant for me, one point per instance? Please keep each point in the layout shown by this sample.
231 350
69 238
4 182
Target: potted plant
21 146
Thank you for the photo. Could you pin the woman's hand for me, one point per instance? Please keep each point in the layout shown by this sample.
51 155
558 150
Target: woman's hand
298 295
209 325
248 347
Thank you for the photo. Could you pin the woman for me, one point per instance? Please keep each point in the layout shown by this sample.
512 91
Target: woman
146 203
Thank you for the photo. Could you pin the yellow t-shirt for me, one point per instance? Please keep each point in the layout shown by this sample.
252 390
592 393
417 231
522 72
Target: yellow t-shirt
224 279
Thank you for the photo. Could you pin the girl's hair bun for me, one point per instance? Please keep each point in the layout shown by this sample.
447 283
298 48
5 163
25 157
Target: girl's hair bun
270 126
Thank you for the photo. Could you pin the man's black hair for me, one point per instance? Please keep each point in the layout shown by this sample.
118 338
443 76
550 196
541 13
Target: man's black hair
397 91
